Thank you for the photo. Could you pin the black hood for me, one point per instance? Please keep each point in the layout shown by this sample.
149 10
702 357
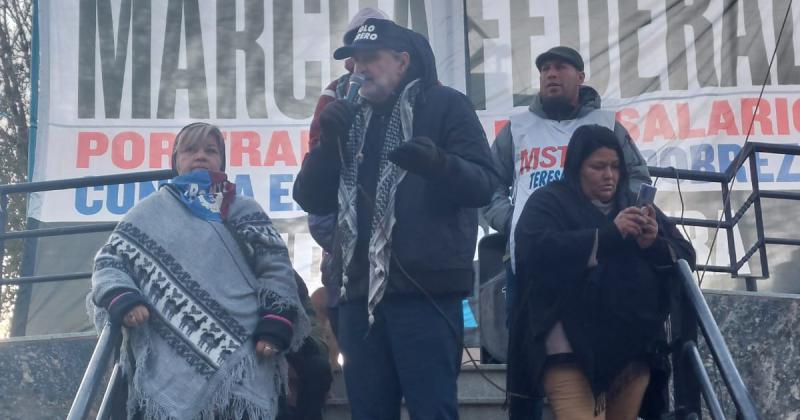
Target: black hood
423 62
584 141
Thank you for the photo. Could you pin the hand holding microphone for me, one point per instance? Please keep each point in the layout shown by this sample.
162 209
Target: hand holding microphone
336 118
356 80
335 121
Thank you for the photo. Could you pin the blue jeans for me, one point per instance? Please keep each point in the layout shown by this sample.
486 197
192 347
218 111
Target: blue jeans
410 351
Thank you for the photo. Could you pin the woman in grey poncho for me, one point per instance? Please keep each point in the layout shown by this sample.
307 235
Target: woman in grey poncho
202 282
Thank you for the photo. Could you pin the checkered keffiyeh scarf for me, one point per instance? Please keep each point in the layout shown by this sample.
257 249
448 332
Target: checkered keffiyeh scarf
398 130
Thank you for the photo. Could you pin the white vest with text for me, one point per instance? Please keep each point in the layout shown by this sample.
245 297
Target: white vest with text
540 147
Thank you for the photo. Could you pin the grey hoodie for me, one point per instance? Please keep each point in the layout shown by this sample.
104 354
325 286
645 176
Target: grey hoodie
498 213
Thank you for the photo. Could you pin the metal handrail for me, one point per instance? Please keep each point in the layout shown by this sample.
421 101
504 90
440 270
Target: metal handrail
87 181
709 395
729 221
54 185
98 365
109 338
46 278
691 294
65 184
105 409
60 231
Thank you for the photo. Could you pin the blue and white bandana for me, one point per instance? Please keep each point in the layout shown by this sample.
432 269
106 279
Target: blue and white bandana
207 194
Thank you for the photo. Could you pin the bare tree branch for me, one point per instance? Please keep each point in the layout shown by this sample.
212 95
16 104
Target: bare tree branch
16 24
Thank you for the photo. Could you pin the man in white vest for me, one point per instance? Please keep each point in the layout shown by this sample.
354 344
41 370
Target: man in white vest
529 152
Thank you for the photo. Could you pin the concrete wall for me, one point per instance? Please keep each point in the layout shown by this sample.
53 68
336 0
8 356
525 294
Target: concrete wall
763 335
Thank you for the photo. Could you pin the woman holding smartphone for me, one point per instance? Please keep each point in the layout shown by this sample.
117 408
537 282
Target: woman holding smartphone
594 270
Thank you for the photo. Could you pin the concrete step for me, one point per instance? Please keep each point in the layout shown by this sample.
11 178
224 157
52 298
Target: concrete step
41 375
478 399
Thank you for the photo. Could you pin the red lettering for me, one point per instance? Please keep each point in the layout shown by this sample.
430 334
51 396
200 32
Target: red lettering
563 150
280 149
628 117
761 116
548 160
782 115
160 147
657 124
528 159
796 114
245 142
685 130
304 144
127 140
90 143
721 118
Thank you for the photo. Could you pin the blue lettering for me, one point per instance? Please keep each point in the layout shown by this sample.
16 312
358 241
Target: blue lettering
763 176
727 152
81 204
128 196
784 173
277 192
702 158
243 185
673 157
541 177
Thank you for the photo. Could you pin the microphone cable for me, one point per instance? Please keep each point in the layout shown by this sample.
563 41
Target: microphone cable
453 329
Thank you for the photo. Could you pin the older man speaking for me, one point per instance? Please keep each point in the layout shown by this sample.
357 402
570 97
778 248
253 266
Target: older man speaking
406 165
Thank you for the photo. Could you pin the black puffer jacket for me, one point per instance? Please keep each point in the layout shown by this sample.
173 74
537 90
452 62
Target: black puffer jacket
436 218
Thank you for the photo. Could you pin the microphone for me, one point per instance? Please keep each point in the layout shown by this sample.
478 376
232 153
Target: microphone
356 80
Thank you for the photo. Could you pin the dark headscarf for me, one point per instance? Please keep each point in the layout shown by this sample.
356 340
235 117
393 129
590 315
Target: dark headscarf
585 141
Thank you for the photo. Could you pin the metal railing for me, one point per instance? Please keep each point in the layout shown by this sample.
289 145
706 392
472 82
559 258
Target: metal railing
62 184
691 379
731 219
107 343
110 337
689 392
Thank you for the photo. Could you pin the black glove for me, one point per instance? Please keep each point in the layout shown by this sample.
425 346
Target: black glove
335 121
419 155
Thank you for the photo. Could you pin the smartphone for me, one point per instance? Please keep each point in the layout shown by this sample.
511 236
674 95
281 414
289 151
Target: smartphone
647 195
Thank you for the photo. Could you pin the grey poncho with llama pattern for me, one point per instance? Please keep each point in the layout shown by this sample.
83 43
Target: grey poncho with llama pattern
195 357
